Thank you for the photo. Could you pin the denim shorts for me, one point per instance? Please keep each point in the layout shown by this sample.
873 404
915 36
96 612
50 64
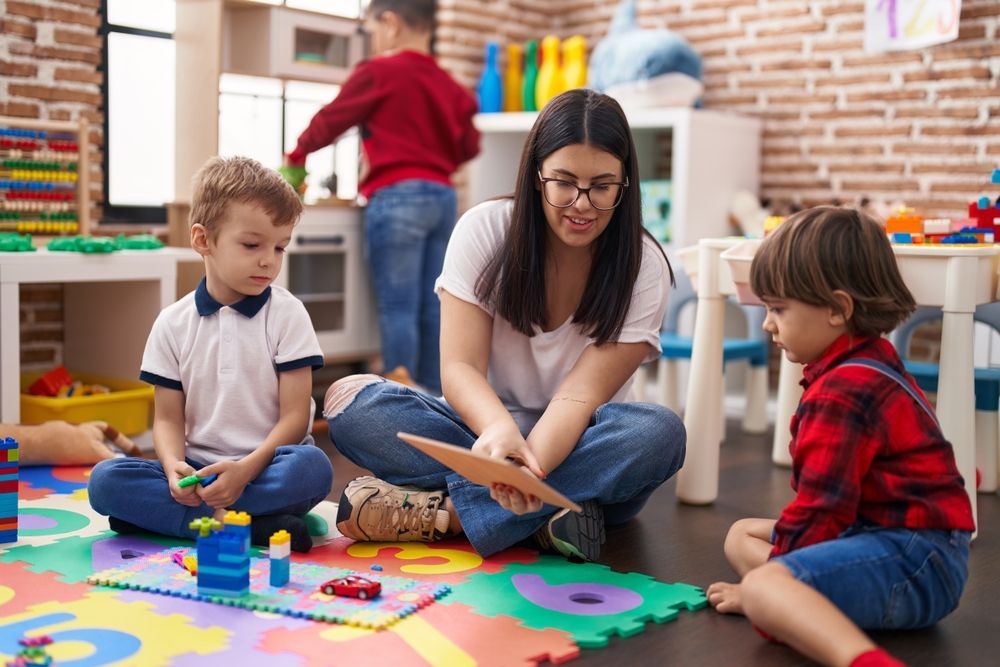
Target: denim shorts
887 578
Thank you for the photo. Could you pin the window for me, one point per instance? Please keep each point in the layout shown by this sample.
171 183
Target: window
138 109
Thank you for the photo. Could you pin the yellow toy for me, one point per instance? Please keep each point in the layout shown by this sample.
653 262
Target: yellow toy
550 80
574 62
513 80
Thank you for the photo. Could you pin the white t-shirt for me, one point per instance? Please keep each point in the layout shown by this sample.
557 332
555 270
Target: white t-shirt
226 360
526 371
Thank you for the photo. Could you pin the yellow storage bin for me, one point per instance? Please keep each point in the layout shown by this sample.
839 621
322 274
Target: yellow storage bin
128 407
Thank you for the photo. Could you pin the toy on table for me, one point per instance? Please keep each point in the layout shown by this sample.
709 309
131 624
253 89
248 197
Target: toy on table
14 242
550 77
138 242
296 177
574 69
33 653
513 79
352 586
489 90
481 469
280 553
90 245
528 101
9 470
191 480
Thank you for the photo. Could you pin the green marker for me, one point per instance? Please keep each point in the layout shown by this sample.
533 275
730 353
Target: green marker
191 480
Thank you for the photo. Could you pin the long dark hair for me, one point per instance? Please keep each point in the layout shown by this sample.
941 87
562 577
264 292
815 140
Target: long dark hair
513 281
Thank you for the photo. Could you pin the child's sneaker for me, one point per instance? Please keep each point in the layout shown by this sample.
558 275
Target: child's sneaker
575 536
375 511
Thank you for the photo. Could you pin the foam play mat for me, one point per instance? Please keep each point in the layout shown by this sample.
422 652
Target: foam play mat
516 608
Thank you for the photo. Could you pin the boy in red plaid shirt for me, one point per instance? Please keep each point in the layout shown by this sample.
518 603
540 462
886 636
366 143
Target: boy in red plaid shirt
878 533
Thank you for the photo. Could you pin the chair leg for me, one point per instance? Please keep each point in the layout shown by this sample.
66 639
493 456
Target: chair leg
755 418
986 449
666 384
639 380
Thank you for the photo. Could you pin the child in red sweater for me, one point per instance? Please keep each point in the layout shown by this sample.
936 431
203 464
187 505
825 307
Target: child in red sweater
878 533
416 129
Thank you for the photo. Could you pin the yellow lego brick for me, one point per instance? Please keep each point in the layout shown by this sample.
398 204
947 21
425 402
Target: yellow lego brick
236 518
280 537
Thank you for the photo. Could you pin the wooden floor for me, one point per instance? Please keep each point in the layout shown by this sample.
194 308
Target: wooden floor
675 542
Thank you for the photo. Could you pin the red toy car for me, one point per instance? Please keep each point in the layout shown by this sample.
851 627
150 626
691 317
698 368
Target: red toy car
352 586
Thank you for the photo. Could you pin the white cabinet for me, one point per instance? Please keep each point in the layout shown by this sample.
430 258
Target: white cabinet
712 156
290 44
324 267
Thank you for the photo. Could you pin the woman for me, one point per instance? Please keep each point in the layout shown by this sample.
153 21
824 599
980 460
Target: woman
550 300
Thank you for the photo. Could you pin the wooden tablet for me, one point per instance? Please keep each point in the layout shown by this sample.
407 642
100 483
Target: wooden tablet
484 470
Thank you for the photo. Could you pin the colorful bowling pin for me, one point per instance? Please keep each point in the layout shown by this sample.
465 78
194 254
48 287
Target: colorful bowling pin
574 62
490 89
530 76
513 80
549 82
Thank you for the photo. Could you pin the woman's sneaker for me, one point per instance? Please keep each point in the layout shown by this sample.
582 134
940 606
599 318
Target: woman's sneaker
371 510
577 536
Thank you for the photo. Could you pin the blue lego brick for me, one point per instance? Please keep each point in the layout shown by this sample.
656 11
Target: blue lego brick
8 536
983 203
902 237
8 443
995 179
224 592
280 571
8 478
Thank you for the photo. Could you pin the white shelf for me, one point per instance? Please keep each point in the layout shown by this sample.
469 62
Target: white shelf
714 155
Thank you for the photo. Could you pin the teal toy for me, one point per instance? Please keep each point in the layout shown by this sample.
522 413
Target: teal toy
138 242
530 76
86 244
13 242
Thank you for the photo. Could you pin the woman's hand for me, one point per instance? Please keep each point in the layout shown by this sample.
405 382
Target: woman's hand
176 473
506 443
233 477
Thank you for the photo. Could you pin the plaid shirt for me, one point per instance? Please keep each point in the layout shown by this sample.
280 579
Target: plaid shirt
863 449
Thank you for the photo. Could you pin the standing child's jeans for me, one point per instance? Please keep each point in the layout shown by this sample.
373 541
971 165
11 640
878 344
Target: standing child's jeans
407 227
887 578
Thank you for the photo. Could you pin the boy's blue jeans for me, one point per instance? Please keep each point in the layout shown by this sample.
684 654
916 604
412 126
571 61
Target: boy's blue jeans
407 227
135 490
627 451
887 578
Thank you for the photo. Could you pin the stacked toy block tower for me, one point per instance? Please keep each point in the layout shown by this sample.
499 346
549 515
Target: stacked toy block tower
9 462
224 556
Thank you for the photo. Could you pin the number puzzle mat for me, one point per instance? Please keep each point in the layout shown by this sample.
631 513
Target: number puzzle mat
300 597
515 608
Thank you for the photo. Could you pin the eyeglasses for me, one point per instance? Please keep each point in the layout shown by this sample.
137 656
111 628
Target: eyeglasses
563 194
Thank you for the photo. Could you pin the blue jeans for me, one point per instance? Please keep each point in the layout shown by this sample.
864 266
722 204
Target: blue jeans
627 451
407 227
136 490
887 578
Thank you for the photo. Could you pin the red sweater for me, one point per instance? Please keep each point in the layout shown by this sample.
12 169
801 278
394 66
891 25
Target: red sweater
862 448
416 121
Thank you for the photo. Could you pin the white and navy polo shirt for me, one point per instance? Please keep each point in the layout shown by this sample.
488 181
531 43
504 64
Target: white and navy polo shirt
226 360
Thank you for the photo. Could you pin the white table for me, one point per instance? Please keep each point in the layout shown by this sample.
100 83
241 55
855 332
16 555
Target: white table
110 303
957 279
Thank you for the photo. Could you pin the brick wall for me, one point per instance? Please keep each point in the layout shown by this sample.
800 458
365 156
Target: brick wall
49 57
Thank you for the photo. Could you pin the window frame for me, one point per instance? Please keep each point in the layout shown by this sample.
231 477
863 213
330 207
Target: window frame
111 213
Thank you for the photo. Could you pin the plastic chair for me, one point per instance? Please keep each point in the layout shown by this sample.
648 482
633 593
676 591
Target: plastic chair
753 349
987 387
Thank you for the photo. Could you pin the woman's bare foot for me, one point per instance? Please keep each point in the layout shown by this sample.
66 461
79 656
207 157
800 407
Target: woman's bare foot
725 597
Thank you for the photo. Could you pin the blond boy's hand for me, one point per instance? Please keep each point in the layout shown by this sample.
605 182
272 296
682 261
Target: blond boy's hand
176 473
228 487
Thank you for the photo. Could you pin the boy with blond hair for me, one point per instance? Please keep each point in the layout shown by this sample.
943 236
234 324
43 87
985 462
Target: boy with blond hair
232 366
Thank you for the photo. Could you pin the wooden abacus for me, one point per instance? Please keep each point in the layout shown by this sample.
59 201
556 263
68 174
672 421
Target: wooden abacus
44 176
